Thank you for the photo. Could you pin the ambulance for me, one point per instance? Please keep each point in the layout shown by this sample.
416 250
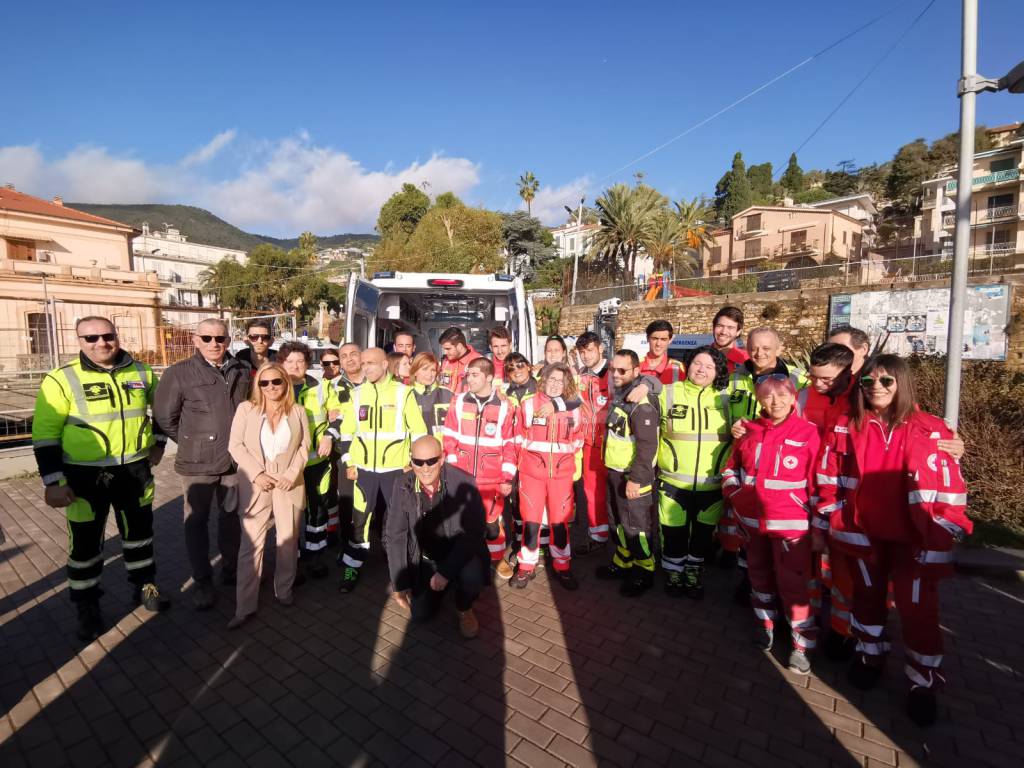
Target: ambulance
426 304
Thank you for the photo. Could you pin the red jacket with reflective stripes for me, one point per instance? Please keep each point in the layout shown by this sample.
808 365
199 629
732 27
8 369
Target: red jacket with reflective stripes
479 438
821 410
453 374
548 446
769 477
668 371
936 493
595 391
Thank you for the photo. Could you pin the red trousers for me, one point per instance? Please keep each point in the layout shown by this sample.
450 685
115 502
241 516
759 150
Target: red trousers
780 572
494 506
595 486
836 579
917 600
535 495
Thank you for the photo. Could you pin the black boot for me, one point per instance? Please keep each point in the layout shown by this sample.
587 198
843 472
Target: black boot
90 622
637 582
922 708
839 647
862 675
149 597
742 594
693 576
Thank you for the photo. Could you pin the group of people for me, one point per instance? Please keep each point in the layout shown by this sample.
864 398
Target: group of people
829 486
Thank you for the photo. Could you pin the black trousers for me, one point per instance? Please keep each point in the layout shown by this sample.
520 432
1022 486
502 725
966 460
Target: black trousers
467 586
632 522
372 492
129 490
317 481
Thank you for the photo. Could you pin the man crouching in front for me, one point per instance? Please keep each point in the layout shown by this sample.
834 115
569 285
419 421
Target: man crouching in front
434 537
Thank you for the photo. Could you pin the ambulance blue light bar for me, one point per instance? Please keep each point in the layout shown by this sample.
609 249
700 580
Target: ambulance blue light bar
383 275
503 278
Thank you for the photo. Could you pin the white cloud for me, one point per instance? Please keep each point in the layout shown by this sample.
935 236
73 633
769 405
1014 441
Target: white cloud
283 187
549 201
211 149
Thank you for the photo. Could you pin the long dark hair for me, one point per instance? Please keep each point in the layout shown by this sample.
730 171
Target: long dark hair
903 404
721 366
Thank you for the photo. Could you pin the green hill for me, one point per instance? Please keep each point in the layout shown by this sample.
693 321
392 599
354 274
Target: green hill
201 226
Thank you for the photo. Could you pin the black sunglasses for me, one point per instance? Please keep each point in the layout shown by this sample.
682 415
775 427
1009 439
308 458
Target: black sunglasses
867 382
208 339
325 363
517 366
271 382
259 337
92 338
426 462
621 371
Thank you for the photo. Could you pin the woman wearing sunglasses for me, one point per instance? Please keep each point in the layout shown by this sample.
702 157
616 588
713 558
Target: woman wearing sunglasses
432 398
270 443
768 482
895 502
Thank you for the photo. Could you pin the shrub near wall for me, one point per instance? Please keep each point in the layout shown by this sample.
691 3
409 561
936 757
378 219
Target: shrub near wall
992 428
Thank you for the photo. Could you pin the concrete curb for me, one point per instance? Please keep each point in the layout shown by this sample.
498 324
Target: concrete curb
999 562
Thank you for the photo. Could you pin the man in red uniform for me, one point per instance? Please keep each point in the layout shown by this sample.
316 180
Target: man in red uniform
500 341
595 391
457 355
657 363
726 329
479 438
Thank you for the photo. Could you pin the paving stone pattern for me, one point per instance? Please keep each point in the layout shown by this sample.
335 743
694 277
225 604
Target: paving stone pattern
555 678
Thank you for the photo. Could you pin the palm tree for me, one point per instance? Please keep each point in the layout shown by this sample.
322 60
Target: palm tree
528 186
626 218
666 244
693 217
223 280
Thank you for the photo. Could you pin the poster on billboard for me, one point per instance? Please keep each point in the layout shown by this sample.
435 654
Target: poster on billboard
915 322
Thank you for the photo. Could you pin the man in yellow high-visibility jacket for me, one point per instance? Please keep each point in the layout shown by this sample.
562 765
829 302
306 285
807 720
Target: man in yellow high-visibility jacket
92 434
382 419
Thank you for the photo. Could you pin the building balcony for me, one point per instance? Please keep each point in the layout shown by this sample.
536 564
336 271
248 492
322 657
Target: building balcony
985 216
796 249
999 177
68 272
989 249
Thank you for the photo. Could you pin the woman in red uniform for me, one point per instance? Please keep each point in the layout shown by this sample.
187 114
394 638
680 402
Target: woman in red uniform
769 481
895 503
550 458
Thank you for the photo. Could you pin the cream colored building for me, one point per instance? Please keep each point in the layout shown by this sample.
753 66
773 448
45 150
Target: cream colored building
773 237
997 213
179 265
58 264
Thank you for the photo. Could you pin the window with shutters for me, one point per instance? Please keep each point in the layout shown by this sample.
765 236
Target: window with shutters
21 250
752 249
754 222
798 240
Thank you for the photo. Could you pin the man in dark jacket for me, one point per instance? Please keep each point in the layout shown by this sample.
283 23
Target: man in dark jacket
195 404
434 537
259 336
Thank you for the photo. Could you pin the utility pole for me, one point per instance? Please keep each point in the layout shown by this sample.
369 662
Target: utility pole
576 251
969 86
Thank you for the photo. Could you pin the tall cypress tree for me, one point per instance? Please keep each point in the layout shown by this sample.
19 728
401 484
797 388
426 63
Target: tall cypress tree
738 194
793 179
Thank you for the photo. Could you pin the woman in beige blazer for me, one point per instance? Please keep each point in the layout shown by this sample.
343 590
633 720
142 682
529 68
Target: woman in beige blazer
270 443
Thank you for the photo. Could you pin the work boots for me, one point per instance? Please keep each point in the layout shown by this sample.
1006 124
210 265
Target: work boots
149 597
693 577
637 582
90 621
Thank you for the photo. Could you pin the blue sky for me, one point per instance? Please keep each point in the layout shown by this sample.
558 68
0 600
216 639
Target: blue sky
286 117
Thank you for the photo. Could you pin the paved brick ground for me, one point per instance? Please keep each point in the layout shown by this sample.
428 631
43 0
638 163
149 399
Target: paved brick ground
555 678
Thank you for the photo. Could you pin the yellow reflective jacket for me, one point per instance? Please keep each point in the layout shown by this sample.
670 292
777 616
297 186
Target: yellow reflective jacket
381 420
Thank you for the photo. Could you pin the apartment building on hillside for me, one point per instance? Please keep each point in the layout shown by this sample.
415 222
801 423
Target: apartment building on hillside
997 213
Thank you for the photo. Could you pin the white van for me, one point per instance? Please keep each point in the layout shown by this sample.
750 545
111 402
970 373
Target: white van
426 304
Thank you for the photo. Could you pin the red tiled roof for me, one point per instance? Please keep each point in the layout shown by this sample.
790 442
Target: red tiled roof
12 200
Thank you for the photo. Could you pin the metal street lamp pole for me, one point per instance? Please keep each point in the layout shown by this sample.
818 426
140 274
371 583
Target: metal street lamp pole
970 85
576 251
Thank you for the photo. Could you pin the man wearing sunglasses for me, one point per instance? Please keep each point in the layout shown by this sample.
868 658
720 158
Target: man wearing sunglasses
195 403
259 337
95 445
434 537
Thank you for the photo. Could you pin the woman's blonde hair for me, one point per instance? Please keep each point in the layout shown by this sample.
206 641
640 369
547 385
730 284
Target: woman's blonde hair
422 360
256 395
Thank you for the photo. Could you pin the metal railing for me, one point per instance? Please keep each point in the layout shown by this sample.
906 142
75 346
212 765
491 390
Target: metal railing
986 215
996 177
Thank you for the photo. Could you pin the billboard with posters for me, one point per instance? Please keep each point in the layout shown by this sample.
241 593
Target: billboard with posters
916 321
